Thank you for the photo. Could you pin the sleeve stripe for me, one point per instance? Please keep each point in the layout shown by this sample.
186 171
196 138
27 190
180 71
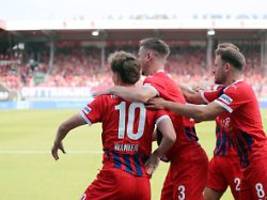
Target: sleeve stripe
226 107
163 117
85 118
203 97
147 85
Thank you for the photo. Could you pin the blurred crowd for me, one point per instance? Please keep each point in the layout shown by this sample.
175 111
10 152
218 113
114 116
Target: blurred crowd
83 68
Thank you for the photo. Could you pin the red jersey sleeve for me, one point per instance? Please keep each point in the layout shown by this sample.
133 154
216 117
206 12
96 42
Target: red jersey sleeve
93 111
153 84
161 115
210 95
234 96
165 87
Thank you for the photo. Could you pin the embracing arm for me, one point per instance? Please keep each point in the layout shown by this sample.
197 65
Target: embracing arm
197 112
141 94
63 130
191 95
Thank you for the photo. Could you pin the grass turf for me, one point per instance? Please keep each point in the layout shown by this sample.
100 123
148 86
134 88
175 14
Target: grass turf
27 171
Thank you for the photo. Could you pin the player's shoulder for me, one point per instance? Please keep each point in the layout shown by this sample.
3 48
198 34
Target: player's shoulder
99 97
217 87
213 89
238 86
156 76
240 90
149 78
105 98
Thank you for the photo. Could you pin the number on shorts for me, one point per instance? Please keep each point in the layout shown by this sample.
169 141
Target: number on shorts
181 190
260 190
237 184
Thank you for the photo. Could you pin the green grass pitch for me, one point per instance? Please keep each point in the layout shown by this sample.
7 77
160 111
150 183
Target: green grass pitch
27 171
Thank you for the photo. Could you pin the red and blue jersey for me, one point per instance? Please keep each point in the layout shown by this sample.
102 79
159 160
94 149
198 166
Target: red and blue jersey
127 131
240 125
184 127
224 142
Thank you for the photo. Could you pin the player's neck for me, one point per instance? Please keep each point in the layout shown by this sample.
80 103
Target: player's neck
157 68
126 85
233 78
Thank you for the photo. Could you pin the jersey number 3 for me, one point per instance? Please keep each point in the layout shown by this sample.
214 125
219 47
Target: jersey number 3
131 117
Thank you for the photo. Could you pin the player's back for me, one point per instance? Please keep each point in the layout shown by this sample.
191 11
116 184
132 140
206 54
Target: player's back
188 169
184 127
127 139
127 132
166 86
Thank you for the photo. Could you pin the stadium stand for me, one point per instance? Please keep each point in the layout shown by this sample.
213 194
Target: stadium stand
28 59
81 67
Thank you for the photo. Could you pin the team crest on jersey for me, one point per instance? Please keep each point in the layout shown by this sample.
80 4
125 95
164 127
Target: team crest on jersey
87 110
226 99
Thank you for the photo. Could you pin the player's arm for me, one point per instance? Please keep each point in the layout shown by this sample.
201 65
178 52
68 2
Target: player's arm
63 130
165 126
91 113
154 136
192 96
197 112
141 94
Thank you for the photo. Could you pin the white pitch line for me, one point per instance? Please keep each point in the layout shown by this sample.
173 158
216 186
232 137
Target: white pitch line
47 152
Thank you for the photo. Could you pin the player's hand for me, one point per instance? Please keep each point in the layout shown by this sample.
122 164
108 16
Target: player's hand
152 164
156 103
56 147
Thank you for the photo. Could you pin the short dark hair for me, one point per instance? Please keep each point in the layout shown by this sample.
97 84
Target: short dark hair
232 56
157 45
126 65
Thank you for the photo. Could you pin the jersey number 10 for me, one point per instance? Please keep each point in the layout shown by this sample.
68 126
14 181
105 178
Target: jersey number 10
130 124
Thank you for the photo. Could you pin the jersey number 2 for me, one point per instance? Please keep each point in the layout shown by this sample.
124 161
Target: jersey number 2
131 117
